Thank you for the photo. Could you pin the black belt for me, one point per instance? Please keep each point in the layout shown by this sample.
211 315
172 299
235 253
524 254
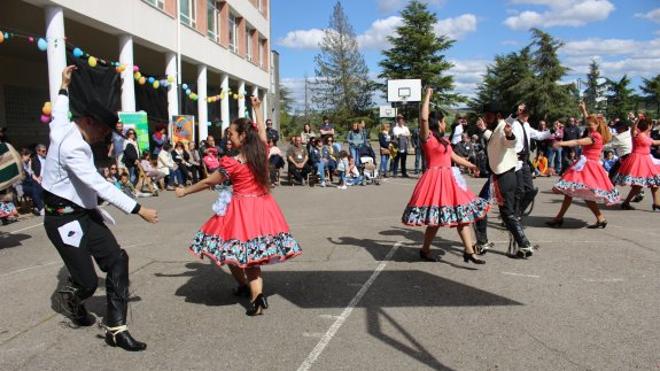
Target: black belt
56 205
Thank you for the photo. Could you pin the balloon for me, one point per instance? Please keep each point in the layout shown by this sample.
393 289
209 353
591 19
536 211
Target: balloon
184 86
42 44
222 95
77 52
137 75
45 119
69 115
156 84
151 80
142 80
47 110
136 68
188 91
47 103
170 78
91 61
2 37
164 83
31 39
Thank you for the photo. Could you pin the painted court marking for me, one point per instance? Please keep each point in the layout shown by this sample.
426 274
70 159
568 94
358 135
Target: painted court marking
332 331
26 228
521 275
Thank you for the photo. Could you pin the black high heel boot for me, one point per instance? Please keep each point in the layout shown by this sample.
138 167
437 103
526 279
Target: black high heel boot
73 307
427 257
257 306
555 223
599 224
626 206
656 207
120 337
470 258
241 290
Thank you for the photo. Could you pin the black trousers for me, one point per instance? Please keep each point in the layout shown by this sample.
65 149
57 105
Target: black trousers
298 174
98 243
401 158
615 167
525 191
508 185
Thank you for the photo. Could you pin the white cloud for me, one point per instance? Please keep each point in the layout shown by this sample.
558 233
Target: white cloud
599 47
376 36
468 75
302 39
456 28
572 13
387 6
653 15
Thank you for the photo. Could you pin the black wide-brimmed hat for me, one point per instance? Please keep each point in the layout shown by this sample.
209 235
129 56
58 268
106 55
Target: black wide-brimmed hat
492 108
101 113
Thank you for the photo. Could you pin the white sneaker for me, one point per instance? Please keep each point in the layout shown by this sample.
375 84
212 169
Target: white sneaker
323 184
342 187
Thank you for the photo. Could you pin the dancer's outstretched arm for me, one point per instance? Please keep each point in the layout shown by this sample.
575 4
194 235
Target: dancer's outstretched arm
213 179
461 161
259 118
424 116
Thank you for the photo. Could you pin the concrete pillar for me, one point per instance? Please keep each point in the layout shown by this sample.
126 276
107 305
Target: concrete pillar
241 102
56 48
202 104
224 105
255 93
173 92
127 83
264 106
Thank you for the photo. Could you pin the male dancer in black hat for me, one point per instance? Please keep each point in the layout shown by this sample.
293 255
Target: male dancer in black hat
76 226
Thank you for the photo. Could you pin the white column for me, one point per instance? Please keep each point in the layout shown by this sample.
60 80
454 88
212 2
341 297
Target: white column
255 93
264 105
241 102
56 48
173 92
127 84
224 105
202 104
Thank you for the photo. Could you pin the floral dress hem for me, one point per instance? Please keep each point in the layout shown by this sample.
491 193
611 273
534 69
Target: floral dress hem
446 216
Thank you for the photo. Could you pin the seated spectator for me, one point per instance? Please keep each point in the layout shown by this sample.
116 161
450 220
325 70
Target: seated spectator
609 160
149 170
210 159
271 133
298 161
181 158
126 186
329 156
275 162
316 160
166 165
114 174
208 144
541 165
353 176
8 212
342 169
195 162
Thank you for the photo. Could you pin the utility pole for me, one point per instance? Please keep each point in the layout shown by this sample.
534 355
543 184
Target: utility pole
306 98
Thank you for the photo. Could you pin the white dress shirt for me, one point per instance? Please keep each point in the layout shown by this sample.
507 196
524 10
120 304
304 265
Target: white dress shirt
457 135
622 143
502 155
69 171
532 133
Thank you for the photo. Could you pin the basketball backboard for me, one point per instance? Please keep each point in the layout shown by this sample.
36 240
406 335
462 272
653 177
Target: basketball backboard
405 90
387 112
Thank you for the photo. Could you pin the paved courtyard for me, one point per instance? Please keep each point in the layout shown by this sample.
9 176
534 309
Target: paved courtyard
358 298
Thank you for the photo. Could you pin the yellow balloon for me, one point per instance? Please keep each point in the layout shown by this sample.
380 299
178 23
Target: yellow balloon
156 84
137 75
170 78
222 95
235 96
47 110
142 80
91 61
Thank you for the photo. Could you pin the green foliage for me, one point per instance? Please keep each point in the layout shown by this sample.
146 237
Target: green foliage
417 53
342 84
651 90
594 90
620 98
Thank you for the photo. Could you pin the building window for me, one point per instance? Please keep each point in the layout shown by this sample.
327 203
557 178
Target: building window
232 33
160 4
260 5
248 44
260 50
188 13
212 18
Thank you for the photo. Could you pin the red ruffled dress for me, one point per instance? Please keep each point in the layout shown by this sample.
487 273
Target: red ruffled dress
441 196
638 169
252 231
587 178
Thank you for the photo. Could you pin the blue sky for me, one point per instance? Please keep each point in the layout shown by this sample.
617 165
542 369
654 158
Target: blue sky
623 35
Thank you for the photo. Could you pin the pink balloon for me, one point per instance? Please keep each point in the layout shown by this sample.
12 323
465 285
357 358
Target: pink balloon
31 39
136 68
45 119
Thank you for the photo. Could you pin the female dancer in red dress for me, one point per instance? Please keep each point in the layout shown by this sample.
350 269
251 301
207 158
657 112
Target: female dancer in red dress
441 196
251 231
586 178
638 169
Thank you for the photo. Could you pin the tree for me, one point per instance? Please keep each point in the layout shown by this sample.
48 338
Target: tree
286 103
417 53
342 84
619 99
651 90
594 89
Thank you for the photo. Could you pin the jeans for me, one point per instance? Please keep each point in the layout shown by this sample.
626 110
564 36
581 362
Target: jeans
175 175
555 155
355 153
384 159
132 175
34 190
320 170
354 180
419 160
400 157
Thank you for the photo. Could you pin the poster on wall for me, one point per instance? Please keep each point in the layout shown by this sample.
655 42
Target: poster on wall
137 121
182 129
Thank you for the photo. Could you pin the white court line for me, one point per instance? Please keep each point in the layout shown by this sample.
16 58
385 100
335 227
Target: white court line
332 331
603 280
521 275
26 228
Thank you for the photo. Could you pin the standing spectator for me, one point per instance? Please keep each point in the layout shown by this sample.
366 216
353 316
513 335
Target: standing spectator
457 130
572 132
384 139
166 165
275 162
159 138
298 159
356 139
327 128
543 145
271 133
307 135
30 185
181 158
419 152
37 165
131 154
402 138
117 144
555 159
342 169
208 143
195 161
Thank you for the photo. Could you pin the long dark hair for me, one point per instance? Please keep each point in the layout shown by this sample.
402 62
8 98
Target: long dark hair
435 118
254 151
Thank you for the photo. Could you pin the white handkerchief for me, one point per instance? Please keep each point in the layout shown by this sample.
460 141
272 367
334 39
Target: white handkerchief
106 216
71 233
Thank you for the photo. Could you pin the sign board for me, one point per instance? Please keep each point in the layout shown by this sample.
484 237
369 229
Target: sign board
182 129
406 90
387 111
139 122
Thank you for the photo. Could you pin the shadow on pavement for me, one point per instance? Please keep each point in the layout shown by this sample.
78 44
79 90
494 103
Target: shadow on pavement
8 240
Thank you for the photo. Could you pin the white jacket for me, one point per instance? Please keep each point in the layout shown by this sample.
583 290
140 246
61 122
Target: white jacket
165 162
502 155
70 172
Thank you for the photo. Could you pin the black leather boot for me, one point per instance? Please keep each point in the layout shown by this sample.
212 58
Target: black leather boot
116 283
515 228
72 305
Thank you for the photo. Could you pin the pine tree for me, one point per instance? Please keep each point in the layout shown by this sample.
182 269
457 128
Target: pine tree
620 99
594 88
417 53
651 89
342 85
